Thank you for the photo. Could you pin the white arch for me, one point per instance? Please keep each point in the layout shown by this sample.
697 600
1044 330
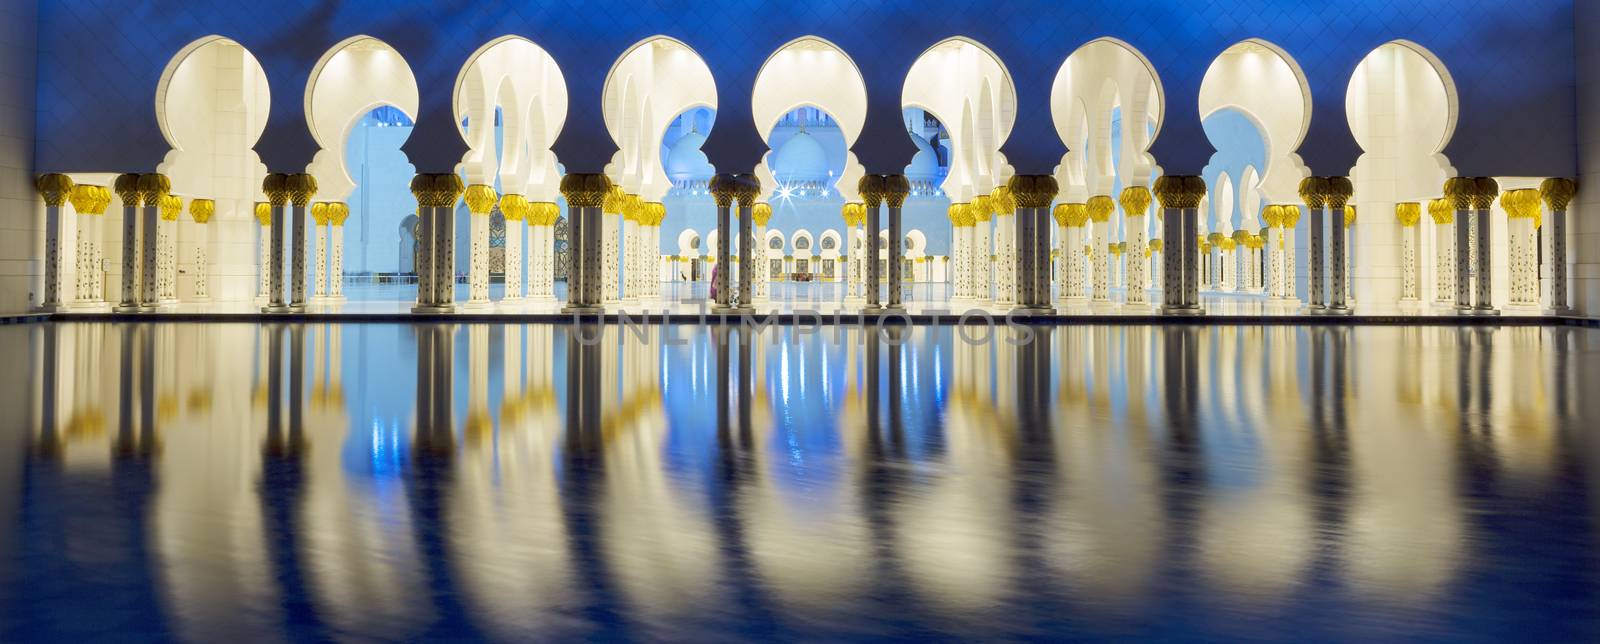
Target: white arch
1250 199
963 83
802 235
919 243
353 77
1222 206
522 80
811 71
686 245
211 105
1402 88
647 87
1262 81
1102 75
830 234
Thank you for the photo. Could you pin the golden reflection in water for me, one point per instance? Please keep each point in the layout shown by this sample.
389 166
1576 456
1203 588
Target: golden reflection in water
1256 455
658 540
1105 527
956 540
805 538
1256 537
508 537
1404 534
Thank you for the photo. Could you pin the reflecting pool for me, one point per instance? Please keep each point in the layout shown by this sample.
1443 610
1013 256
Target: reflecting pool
354 481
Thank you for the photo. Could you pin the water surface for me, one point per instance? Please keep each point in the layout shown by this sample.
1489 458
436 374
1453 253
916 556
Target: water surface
330 481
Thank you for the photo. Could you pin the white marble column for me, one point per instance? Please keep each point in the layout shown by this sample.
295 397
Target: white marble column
338 213
1135 204
1409 215
1442 212
542 218
55 189
89 202
1522 216
167 240
515 209
1004 206
630 250
319 270
1100 209
760 265
610 247
983 278
262 212
201 211
1557 194
958 236
480 204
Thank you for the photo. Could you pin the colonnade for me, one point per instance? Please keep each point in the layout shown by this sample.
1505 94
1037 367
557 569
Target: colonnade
995 256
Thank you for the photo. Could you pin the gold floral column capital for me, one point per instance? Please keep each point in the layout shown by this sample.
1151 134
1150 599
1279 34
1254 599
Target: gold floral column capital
480 199
1557 193
276 186
1314 192
1135 201
90 200
762 213
55 188
302 187
1180 191
1100 208
1339 192
1442 211
338 212
1032 190
153 187
1409 213
171 206
585 190
200 210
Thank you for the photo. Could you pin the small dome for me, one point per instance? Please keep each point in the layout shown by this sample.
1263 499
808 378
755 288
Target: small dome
801 158
925 164
685 161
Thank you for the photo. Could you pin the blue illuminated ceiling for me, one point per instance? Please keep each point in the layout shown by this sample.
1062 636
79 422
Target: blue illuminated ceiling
1513 63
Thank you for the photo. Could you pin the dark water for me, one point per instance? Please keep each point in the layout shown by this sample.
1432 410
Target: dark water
211 482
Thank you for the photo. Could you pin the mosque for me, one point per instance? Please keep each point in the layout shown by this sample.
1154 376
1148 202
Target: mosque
1358 156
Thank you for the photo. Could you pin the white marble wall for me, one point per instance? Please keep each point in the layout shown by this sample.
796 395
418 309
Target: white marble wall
21 210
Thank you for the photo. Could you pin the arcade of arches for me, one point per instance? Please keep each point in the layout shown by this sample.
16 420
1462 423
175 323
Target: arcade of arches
510 229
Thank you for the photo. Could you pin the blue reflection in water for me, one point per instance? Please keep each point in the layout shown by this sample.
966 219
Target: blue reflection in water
509 482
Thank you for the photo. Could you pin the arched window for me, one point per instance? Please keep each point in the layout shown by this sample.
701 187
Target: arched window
776 243
828 243
803 243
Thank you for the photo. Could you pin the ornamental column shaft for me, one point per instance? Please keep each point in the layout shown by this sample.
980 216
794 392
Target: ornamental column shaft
1409 214
338 212
1033 194
480 203
1473 196
585 287
302 187
436 206
895 189
1135 203
127 190
760 266
1100 208
90 203
1338 197
982 260
56 189
1006 249
201 210
155 188
515 210
1315 192
319 217
611 227
1557 193
1523 209
724 192
1180 197
872 188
